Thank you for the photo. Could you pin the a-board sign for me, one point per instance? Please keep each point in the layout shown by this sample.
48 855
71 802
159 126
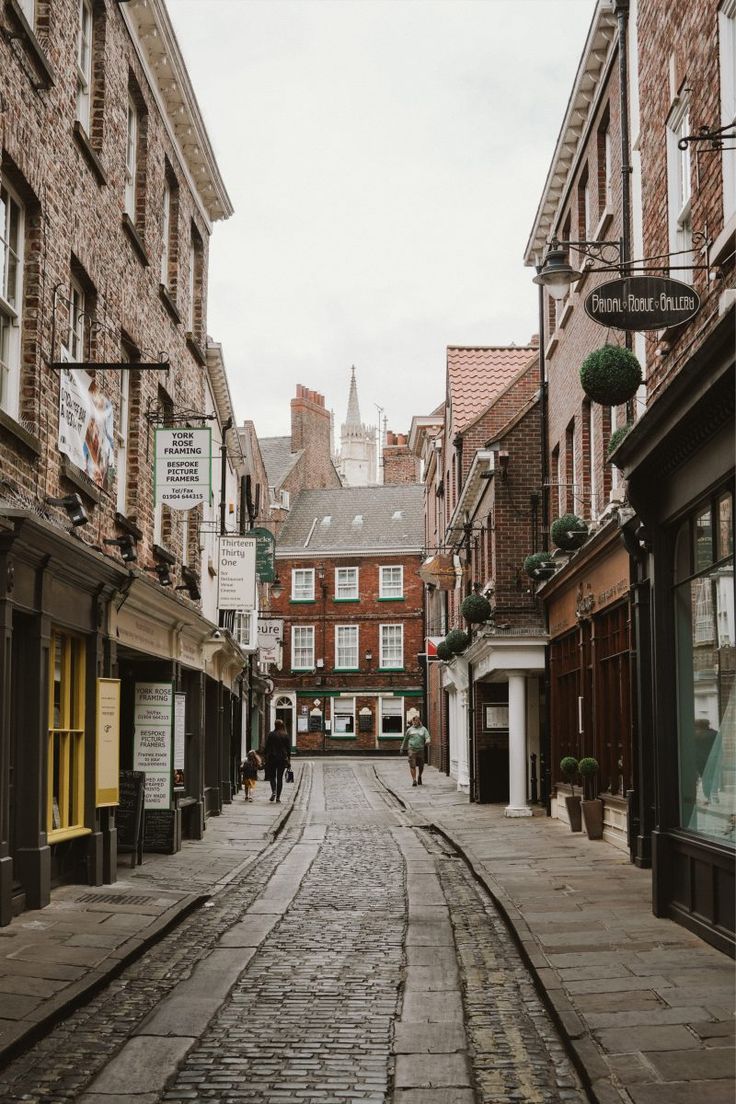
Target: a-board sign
642 303
153 721
159 831
129 814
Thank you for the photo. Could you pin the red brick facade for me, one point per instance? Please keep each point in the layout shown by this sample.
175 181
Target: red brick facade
399 463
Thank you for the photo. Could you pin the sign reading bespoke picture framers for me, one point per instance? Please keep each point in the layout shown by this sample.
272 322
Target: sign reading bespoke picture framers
107 742
236 575
642 303
153 720
183 469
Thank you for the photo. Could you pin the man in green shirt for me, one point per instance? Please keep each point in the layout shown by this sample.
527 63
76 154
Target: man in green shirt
416 738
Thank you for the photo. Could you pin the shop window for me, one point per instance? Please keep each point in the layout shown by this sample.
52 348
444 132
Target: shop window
612 728
392 582
302 647
11 297
392 646
343 717
392 716
346 583
346 647
566 703
302 584
65 812
705 620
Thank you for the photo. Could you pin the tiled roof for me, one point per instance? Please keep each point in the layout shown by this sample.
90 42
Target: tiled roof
477 375
359 518
277 458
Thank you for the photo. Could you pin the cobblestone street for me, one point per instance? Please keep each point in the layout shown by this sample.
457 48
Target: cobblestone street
356 960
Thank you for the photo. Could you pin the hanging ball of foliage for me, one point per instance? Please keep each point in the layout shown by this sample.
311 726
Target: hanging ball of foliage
610 375
569 766
617 437
531 563
457 640
588 766
569 532
443 652
475 608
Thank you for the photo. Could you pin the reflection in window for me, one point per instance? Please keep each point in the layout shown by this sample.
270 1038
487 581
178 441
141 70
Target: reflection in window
706 681
344 716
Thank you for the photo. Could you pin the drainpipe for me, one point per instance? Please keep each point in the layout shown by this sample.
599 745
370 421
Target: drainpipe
471 734
543 422
223 475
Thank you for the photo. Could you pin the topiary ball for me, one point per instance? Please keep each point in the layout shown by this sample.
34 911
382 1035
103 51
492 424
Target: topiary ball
531 563
457 640
569 766
610 375
475 608
568 532
443 652
588 766
617 437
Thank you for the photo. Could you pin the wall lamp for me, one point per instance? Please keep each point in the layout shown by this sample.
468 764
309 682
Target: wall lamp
557 274
368 655
277 588
127 546
191 583
72 503
163 571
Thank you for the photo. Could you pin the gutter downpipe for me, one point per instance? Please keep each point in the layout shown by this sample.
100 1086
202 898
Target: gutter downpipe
471 735
545 773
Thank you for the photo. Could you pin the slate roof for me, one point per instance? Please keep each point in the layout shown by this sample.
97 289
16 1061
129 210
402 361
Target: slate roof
277 458
391 517
476 375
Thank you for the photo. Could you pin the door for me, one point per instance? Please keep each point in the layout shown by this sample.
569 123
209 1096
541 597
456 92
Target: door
285 713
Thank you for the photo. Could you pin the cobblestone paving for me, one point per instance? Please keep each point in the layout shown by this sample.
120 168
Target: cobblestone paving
516 1052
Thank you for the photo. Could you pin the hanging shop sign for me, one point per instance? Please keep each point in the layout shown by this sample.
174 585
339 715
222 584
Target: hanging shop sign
265 554
270 638
86 426
153 720
183 468
236 574
439 571
642 303
107 742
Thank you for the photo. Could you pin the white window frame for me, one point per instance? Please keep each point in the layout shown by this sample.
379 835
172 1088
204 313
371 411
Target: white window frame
302 590
346 583
383 589
185 538
11 299
166 234
190 305
84 63
727 56
346 652
343 713
131 157
679 188
28 7
608 181
302 645
123 428
393 702
76 322
390 663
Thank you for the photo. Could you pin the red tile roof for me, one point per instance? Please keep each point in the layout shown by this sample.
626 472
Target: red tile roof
477 375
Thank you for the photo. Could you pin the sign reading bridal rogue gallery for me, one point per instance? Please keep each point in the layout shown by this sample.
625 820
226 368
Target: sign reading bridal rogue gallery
183 472
642 303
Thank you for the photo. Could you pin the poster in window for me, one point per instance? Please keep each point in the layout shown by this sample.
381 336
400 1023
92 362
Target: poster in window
153 719
180 704
496 716
107 742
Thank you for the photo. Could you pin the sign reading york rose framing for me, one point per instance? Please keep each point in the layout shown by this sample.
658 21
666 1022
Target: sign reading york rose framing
183 472
642 303
236 576
153 718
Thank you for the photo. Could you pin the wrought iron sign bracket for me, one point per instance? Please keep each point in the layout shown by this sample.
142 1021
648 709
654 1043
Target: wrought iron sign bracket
716 136
111 366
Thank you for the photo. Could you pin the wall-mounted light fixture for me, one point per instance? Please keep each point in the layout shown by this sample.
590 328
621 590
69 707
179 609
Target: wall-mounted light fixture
72 503
163 570
127 546
191 583
277 588
368 655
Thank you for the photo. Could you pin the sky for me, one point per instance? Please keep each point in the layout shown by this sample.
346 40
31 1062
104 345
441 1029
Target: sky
385 159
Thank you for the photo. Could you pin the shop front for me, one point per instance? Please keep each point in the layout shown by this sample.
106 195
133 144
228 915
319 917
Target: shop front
591 657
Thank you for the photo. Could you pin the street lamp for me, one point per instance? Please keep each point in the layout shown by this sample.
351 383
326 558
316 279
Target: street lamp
556 274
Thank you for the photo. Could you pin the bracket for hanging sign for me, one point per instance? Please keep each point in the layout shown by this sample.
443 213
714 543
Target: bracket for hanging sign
112 365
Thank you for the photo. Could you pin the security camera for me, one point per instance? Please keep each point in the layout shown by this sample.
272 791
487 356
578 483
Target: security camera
217 635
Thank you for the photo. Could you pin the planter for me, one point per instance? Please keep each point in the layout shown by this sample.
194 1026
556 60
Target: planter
574 813
593 817
610 375
569 532
476 609
457 641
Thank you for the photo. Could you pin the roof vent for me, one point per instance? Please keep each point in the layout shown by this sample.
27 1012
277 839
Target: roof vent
357 521
326 521
397 515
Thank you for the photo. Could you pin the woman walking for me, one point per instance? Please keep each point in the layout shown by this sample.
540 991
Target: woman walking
278 757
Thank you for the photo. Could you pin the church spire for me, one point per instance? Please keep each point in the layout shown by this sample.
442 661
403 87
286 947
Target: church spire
353 417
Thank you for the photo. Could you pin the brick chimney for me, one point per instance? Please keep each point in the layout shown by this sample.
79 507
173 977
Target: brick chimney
311 432
399 464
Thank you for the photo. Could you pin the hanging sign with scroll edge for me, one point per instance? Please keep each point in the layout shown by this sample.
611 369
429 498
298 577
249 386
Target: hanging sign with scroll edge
642 303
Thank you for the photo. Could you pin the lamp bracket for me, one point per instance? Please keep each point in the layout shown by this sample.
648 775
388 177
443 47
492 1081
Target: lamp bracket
713 135
607 252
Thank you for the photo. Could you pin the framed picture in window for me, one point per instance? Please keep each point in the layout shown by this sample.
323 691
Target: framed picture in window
495 716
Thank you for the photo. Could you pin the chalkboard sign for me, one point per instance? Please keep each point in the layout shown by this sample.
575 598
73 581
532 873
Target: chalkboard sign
365 723
129 814
315 723
158 831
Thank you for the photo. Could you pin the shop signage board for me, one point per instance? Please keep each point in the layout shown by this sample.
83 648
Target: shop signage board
270 637
107 742
153 720
180 705
86 426
265 554
183 467
236 575
642 303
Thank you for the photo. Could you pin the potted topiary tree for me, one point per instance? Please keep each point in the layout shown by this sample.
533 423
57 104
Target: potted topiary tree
457 641
539 566
610 375
592 804
443 652
475 609
569 771
616 438
569 532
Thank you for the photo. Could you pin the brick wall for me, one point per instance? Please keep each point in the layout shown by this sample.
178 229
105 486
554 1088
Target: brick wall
400 465
310 431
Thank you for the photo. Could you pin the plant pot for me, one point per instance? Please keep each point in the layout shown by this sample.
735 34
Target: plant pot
573 812
593 817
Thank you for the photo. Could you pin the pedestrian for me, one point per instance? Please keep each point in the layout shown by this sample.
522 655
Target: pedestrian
277 753
416 739
249 773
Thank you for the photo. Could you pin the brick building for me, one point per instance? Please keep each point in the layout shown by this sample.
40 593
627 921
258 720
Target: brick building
352 603
482 470
103 261
399 464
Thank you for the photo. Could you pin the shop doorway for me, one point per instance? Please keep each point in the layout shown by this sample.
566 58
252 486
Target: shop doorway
493 770
284 711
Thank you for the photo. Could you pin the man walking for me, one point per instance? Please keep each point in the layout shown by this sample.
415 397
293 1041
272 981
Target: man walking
417 738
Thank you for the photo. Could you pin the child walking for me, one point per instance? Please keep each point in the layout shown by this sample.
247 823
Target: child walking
249 773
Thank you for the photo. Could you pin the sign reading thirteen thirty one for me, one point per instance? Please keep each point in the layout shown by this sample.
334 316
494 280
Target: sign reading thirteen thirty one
642 303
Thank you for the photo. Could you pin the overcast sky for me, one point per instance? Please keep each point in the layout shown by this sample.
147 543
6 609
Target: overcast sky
385 159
